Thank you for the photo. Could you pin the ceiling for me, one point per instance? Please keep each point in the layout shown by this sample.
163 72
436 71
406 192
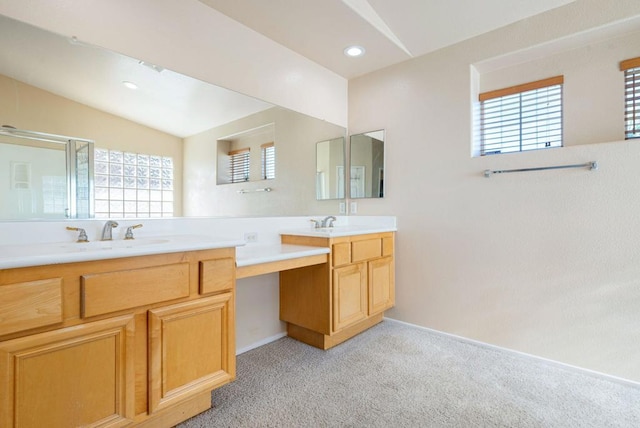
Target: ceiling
391 31
167 101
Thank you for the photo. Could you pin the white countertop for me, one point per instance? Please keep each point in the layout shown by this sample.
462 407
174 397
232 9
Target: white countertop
14 256
253 254
336 231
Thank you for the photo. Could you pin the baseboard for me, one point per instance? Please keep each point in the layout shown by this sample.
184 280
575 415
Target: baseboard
582 370
261 343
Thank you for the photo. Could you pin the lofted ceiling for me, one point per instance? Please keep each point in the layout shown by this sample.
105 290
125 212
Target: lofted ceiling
391 31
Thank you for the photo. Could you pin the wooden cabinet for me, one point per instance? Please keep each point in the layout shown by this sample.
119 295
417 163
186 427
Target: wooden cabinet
349 295
75 376
192 349
120 342
327 304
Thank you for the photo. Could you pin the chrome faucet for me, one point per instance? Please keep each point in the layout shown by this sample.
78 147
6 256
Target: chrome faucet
328 221
129 234
106 230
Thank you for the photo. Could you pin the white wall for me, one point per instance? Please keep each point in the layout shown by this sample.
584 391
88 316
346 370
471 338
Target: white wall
191 38
546 263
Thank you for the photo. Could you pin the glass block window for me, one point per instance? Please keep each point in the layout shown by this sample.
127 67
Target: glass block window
268 162
631 68
521 118
132 184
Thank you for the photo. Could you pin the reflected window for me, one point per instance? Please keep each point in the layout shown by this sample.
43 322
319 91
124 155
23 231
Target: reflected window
239 165
268 156
132 184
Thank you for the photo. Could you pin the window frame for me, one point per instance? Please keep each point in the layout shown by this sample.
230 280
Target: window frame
631 69
523 91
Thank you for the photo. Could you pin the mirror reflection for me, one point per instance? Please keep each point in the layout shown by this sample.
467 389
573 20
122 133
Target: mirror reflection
330 169
247 156
47 176
59 85
367 165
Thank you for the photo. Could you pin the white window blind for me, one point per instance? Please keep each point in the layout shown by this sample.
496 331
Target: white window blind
239 165
523 117
631 68
132 184
268 151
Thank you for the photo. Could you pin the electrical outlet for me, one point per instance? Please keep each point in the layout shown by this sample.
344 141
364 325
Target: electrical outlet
342 208
353 208
250 237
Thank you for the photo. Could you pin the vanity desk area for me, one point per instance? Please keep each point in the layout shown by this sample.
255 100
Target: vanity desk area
334 282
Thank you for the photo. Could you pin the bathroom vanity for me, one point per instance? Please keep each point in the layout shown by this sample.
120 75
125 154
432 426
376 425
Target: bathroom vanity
139 332
326 304
114 342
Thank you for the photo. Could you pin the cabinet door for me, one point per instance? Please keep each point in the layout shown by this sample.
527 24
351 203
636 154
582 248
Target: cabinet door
349 295
76 376
192 349
381 285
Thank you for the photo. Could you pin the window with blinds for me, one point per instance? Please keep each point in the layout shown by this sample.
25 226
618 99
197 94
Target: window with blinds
239 165
631 68
268 155
521 118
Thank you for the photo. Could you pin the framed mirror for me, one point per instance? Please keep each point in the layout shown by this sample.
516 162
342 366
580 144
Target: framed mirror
366 172
330 177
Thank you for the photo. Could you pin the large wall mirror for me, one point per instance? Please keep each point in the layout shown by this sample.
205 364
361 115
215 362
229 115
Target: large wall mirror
57 84
330 169
367 165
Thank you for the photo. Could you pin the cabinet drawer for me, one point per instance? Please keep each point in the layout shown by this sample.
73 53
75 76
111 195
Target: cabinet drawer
114 291
341 253
30 304
217 275
366 249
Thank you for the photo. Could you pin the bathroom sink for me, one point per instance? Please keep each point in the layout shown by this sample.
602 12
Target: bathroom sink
330 232
35 254
32 250
111 245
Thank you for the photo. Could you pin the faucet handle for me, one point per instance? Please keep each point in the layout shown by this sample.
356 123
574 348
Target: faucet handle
82 235
316 223
129 234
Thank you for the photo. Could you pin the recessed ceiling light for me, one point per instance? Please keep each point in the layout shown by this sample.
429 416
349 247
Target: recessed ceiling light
130 85
354 51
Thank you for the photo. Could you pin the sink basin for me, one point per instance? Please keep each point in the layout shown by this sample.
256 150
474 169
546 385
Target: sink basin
12 256
330 232
33 250
111 245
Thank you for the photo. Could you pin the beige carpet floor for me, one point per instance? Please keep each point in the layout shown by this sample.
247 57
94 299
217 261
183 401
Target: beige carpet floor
395 375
